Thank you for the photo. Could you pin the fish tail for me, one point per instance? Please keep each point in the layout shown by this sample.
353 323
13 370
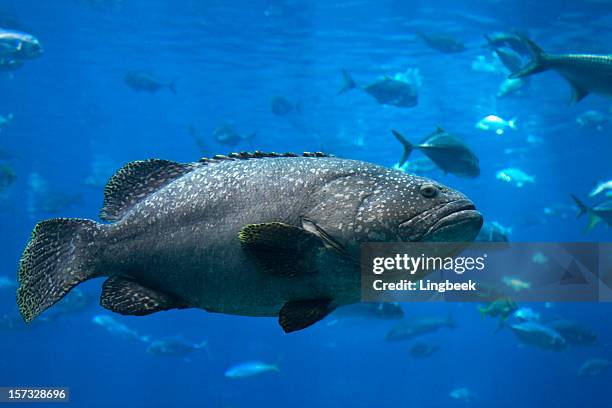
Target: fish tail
172 87
59 256
539 61
582 207
348 82
408 147
592 222
512 123
593 219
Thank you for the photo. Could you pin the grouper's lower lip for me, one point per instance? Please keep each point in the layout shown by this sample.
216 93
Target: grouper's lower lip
462 224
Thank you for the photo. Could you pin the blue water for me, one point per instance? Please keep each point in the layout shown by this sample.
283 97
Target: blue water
72 109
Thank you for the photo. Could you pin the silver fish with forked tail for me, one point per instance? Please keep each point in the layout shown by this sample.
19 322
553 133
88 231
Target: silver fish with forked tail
585 73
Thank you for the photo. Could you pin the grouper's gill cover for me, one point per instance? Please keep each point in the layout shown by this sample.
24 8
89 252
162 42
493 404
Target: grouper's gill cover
252 234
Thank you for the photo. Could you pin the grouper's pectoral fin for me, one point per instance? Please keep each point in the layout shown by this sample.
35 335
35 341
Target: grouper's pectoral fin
127 297
280 249
299 314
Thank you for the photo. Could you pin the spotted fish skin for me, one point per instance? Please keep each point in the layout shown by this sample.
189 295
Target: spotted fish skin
585 73
181 244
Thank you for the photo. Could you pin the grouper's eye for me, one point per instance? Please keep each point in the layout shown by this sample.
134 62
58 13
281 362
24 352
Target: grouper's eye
428 190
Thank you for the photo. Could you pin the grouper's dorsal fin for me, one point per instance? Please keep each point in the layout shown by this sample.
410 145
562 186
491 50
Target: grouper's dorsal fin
258 155
137 180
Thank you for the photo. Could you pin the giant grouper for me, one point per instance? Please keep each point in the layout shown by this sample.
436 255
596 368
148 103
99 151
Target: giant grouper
255 234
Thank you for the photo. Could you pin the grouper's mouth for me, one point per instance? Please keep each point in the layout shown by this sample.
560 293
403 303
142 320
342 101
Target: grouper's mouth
455 221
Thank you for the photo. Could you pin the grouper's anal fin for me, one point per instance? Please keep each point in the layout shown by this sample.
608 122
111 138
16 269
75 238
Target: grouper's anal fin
127 297
300 314
280 249
136 181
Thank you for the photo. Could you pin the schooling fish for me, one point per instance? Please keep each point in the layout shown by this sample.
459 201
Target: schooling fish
423 350
255 234
536 334
585 73
444 43
19 45
449 153
174 347
594 366
574 332
142 81
416 327
400 90
225 134
281 106
603 187
250 369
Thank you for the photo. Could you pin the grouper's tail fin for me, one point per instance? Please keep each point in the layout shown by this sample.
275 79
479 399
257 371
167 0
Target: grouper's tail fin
348 82
408 147
539 61
593 219
59 256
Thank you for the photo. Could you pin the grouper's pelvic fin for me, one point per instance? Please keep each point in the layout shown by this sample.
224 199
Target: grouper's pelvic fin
539 61
61 254
300 314
408 147
127 297
348 82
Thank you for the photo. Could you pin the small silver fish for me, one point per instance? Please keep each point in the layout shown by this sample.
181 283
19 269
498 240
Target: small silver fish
19 45
250 369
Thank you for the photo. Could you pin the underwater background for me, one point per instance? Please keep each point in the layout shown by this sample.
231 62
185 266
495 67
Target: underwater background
75 119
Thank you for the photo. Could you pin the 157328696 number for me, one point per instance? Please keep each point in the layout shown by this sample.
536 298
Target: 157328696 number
34 394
